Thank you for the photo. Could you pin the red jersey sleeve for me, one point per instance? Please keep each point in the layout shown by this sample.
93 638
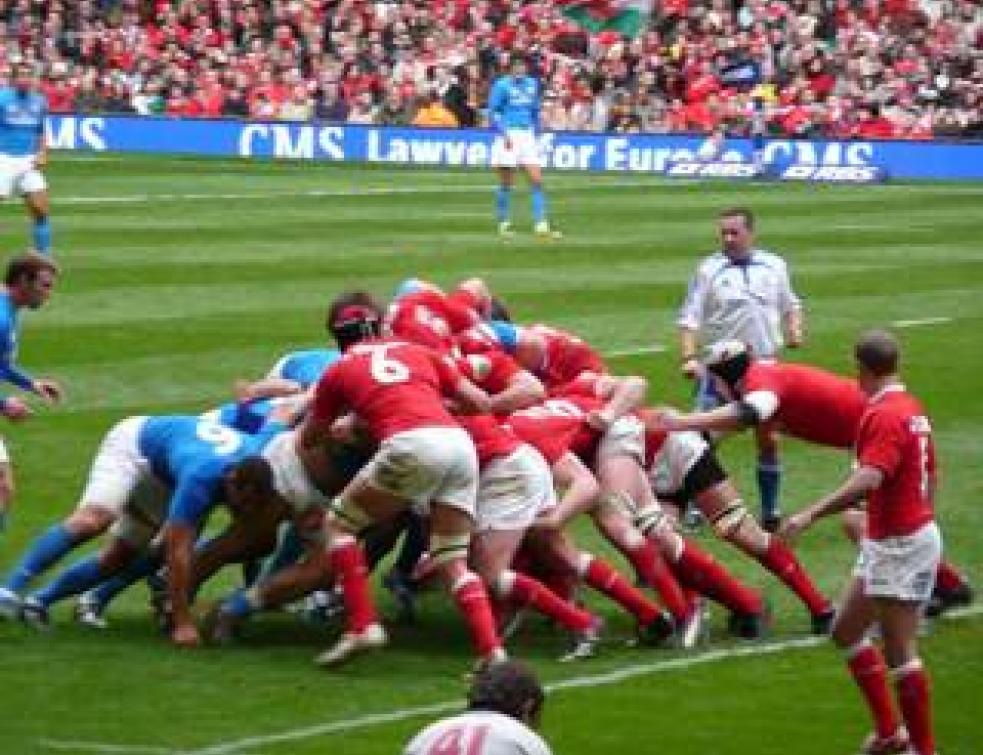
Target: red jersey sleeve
880 442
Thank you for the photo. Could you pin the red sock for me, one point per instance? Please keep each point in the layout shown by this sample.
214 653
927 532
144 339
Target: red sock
911 682
527 591
563 584
870 673
604 577
348 563
652 568
699 569
947 578
781 562
472 601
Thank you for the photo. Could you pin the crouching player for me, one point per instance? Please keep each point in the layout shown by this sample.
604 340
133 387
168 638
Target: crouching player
397 389
899 556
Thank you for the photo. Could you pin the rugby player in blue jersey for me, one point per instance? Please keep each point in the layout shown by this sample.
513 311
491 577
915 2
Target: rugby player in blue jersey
149 474
513 112
28 282
24 150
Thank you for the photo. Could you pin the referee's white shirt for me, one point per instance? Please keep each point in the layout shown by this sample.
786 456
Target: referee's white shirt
744 300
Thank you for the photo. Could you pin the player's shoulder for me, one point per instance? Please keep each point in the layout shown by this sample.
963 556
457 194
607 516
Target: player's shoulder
712 264
768 259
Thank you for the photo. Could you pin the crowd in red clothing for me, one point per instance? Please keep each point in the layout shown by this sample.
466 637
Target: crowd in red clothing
841 68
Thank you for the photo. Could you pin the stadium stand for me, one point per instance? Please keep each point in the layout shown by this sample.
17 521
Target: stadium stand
866 69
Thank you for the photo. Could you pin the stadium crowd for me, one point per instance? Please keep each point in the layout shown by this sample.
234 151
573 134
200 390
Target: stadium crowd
839 68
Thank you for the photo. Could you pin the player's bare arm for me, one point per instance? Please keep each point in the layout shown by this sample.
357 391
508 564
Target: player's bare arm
855 489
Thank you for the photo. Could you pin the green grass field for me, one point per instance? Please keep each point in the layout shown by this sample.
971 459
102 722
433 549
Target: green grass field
181 275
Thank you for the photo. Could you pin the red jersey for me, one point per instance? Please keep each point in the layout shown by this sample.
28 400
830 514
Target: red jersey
392 386
895 436
477 340
491 440
558 425
430 318
565 357
491 371
812 404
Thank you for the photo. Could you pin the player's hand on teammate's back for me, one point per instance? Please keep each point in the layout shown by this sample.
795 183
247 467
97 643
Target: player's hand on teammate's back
15 409
185 636
599 420
48 390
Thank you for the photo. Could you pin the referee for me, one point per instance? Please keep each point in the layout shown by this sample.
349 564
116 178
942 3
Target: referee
741 293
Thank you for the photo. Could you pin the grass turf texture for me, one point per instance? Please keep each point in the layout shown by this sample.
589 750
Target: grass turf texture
181 275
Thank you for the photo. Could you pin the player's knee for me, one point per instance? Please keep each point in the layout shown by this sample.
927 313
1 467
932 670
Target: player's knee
446 549
347 515
729 522
89 521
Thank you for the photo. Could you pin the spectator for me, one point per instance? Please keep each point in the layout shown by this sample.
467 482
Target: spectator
298 107
433 112
919 61
364 109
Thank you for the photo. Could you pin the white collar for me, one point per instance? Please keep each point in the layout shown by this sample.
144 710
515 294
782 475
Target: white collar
890 388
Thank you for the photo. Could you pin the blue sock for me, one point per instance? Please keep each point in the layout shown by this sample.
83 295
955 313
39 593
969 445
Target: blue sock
54 543
241 603
769 483
503 200
42 234
143 566
76 579
538 204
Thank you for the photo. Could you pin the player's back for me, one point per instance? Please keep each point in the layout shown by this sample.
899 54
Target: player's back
178 445
306 366
567 356
814 405
895 436
392 385
478 733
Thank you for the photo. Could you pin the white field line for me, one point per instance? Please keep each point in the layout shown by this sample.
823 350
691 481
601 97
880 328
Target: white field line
378 719
99 747
354 191
920 322
656 348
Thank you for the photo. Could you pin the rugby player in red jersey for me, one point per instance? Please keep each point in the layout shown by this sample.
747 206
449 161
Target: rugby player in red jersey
423 314
899 555
804 402
397 390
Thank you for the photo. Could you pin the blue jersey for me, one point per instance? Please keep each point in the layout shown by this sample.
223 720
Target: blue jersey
513 103
304 367
247 417
191 455
8 345
21 122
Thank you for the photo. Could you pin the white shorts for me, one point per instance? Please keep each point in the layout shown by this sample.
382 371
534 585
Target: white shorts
4 454
626 437
513 489
289 476
118 468
679 452
901 567
424 465
524 149
18 175
144 514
